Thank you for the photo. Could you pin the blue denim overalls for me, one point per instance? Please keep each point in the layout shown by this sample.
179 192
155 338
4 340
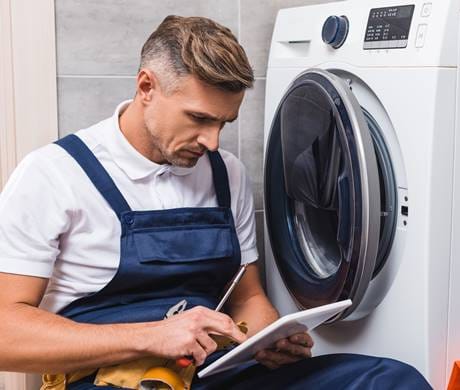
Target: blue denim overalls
192 253
165 255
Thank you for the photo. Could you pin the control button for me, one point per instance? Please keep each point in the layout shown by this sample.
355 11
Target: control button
426 10
335 31
421 35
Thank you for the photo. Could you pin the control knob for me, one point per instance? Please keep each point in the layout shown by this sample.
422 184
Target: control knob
335 31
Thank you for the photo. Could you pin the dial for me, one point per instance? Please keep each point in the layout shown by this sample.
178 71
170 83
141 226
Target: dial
335 31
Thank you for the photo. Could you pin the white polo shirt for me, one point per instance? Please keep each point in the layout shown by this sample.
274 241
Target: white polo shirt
55 224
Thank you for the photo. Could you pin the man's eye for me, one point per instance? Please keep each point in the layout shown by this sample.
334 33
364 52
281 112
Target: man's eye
199 118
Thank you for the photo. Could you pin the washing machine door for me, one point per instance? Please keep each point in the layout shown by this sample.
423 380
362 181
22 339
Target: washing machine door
322 192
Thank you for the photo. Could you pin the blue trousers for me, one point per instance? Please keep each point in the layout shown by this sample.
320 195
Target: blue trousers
340 371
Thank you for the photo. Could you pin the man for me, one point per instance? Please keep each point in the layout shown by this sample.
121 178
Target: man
77 297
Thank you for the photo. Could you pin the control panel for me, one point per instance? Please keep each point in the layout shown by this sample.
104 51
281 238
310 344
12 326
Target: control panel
388 27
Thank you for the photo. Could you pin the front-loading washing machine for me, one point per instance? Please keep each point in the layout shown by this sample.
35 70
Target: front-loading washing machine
362 181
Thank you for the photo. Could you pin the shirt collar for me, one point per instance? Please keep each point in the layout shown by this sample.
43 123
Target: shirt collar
128 159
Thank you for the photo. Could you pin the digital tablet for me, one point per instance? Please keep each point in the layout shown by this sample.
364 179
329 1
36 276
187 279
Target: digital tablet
283 327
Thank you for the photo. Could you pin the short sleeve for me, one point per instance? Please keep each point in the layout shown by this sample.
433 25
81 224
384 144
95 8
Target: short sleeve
34 212
245 218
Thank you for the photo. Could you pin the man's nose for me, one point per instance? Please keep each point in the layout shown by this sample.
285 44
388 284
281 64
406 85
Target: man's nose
210 138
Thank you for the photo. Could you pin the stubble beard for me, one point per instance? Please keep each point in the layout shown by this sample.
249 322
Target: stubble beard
178 161
171 158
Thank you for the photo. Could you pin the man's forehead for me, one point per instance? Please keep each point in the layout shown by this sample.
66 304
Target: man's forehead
211 102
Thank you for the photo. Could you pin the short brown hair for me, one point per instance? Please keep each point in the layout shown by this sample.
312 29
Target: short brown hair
201 47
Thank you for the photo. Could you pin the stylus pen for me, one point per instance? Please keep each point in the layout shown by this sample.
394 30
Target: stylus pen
235 281
187 360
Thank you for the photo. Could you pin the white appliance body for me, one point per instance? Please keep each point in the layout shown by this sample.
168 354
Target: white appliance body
411 308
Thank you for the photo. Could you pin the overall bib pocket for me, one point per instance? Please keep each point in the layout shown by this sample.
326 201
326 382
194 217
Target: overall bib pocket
181 244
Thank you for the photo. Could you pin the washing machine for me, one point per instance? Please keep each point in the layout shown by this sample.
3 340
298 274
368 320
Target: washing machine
361 176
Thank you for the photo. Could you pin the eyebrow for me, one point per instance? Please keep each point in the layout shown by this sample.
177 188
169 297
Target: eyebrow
211 117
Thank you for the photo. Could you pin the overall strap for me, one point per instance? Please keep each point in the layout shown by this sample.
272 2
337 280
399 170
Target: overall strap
95 171
220 178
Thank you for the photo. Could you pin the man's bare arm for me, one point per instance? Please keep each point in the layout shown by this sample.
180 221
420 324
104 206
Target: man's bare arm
34 340
249 303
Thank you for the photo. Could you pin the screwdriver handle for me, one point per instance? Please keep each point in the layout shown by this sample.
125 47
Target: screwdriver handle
185 361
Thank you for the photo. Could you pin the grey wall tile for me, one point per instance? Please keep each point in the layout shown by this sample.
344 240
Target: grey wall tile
252 138
260 245
257 22
105 37
229 138
85 101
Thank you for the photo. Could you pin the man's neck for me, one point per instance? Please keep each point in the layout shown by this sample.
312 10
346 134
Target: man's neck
131 123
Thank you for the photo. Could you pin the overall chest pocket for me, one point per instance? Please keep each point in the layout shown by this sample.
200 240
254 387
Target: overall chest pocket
178 244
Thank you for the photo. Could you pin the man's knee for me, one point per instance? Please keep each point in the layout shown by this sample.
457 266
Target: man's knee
385 373
352 371
404 375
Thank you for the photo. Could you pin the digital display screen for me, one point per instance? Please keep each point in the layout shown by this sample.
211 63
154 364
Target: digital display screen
388 27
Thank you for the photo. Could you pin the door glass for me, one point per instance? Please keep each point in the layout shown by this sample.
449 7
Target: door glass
316 179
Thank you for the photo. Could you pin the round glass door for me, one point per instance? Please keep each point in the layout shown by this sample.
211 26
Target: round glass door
323 192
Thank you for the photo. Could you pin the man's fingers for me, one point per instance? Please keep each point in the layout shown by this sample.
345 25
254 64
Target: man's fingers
201 347
302 339
189 332
277 358
199 354
207 343
262 358
288 350
270 364
221 323
299 350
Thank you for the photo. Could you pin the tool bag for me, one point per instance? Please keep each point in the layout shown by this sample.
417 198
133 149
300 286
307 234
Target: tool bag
143 374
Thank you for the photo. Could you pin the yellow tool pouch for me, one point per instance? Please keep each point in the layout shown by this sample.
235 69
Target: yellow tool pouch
143 374
59 381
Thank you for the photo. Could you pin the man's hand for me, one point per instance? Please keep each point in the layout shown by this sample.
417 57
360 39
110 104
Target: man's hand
187 334
286 351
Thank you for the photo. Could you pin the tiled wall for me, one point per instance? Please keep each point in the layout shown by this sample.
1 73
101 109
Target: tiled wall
98 45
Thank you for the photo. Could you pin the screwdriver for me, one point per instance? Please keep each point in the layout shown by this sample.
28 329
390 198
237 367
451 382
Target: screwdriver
187 360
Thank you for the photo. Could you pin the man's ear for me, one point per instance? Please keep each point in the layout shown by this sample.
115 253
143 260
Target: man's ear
147 85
